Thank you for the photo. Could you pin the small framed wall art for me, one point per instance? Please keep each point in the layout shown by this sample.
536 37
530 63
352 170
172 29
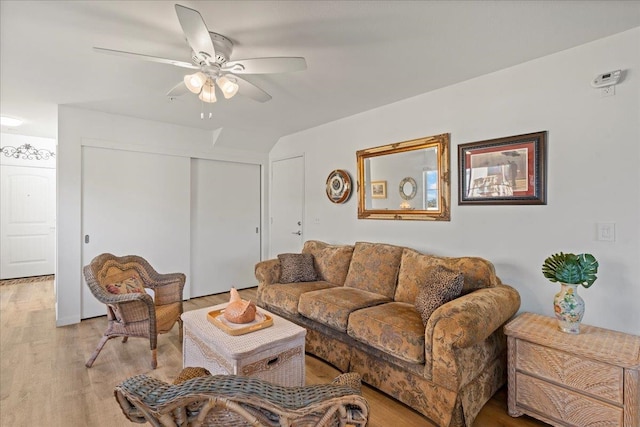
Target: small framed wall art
339 186
378 189
506 171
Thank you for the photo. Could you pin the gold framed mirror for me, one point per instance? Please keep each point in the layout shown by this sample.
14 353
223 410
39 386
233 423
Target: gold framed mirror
423 161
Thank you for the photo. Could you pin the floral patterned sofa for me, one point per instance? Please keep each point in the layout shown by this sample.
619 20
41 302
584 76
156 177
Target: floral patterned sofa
358 304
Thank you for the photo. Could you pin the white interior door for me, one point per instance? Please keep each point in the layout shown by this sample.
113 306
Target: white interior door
287 206
134 204
225 225
27 223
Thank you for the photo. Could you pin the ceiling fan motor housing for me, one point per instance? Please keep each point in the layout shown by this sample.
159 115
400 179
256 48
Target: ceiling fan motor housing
223 47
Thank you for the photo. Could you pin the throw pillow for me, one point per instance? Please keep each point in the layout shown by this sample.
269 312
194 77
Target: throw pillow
441 286
191 372
297 268
127 286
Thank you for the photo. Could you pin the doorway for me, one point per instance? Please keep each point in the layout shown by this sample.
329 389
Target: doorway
287 206
27 207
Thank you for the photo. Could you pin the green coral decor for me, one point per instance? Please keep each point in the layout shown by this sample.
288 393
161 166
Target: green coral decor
573 269
570 270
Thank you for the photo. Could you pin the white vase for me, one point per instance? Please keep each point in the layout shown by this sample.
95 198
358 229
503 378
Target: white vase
569 308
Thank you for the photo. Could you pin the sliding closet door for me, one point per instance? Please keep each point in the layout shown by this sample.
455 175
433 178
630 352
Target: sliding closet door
225 225
134 204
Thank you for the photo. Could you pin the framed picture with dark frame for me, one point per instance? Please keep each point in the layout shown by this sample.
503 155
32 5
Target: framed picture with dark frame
503 171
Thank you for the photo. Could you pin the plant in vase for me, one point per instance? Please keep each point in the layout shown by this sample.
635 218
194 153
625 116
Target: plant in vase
570 270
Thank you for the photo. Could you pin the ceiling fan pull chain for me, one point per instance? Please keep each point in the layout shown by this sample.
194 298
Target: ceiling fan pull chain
201 110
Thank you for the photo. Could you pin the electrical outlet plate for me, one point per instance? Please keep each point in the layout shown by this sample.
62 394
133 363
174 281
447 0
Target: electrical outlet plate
606 231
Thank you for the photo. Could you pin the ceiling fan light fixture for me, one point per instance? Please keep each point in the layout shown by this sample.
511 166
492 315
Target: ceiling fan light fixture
229 87
208 93
195 82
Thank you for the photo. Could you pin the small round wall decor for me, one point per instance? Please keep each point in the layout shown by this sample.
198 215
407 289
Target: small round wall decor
339 186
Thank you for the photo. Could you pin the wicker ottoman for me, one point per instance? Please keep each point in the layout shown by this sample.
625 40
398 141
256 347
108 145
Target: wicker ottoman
274 354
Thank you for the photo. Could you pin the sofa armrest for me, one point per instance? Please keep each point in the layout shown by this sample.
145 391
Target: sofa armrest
462 323
267 272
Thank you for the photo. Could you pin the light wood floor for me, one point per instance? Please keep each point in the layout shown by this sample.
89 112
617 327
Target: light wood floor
43 380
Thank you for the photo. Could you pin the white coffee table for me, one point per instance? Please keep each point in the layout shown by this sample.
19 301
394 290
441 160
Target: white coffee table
275 354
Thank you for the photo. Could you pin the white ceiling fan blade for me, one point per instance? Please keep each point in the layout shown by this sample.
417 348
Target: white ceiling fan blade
252 91
196 32
146 57
178 90
266 65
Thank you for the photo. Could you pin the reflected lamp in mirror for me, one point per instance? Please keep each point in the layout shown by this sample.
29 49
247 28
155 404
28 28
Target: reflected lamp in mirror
426 199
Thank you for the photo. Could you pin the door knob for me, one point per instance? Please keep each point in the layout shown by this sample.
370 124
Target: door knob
299 233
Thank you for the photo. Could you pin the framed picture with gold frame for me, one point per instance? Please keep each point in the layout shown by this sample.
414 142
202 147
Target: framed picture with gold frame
378 189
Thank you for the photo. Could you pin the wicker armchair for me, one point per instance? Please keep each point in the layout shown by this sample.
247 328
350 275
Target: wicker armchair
120 283
235 401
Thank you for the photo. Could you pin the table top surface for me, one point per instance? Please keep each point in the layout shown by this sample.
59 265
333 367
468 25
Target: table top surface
598 343
282 331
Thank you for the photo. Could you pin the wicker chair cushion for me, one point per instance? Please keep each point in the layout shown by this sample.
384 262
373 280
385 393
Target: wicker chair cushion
297 268
126 282
189 373
350 379
442 285
166 316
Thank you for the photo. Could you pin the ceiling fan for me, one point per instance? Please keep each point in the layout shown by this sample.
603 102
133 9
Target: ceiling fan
210 55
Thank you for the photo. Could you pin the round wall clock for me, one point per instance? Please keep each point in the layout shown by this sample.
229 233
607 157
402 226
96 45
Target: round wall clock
338 186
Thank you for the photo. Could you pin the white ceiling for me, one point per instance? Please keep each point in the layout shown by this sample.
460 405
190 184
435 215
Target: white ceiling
360 55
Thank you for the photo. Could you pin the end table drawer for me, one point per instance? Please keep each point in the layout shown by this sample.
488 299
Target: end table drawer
565 406
598 379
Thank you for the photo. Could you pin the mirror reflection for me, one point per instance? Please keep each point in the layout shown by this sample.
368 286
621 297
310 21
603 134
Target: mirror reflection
408 188
417 173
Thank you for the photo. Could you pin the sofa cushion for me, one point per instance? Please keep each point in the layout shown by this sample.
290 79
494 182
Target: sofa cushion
332 307
297 268
442 285
331 261
285 296
415 267
374 268
395 328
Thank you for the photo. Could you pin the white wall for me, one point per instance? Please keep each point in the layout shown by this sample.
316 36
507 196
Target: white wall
77 128
593 174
